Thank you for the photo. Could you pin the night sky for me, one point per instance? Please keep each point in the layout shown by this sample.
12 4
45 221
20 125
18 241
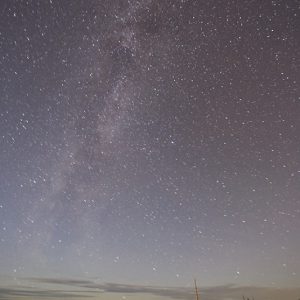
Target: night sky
147 143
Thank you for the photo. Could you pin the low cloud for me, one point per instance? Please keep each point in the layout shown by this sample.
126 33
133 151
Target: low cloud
70 288
16 293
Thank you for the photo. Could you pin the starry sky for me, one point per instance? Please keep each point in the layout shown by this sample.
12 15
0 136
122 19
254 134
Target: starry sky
147 143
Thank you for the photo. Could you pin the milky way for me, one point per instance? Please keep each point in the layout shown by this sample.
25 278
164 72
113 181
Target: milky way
150 143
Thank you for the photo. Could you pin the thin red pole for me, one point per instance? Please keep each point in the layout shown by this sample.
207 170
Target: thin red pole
196 289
